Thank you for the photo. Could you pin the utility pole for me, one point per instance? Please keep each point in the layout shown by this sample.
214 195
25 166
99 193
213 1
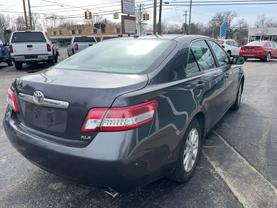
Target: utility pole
30 14
140 19
25 14
160 18
155 18
186 22
190 8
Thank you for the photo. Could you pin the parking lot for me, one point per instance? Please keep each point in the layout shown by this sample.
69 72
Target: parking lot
238 167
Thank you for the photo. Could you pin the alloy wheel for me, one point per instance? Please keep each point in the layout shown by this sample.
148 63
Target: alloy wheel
191 150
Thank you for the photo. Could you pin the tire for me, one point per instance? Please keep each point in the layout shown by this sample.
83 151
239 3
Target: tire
10 63
18 65
183 171
51 62
267 58
56 59
229 54
245 59
238 98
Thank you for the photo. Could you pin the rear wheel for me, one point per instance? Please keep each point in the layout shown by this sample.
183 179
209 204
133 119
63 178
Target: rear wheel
245 59
267 58
238 98
18 65
189 153
51 62
9 63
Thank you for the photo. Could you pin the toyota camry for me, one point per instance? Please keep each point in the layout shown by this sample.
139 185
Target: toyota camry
124 112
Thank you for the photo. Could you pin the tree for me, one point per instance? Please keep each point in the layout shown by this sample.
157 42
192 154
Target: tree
20 23
218 19
240 30
264 21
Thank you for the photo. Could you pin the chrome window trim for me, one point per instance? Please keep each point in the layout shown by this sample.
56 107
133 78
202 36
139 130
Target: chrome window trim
46 102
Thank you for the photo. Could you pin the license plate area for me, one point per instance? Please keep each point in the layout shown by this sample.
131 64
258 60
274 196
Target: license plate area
49 119
31 56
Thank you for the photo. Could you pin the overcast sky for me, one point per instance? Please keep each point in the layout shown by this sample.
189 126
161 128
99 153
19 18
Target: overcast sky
75 8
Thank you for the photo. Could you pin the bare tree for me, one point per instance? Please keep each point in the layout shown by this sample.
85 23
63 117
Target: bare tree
218 19
264 21
20 23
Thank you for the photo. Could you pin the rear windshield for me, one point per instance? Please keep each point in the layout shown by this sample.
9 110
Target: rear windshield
118 56
257 43
22 37
84 39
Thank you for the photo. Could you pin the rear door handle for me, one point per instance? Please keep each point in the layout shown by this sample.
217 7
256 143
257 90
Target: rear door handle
200 84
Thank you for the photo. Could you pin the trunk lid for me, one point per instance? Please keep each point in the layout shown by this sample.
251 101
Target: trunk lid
81 90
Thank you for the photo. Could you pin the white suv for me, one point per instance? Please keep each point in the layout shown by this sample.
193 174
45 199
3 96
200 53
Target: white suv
31 47
230 46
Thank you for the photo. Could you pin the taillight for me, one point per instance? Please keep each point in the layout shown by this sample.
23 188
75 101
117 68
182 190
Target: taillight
76 47
10 49
223 46
48 47
12 101
119 119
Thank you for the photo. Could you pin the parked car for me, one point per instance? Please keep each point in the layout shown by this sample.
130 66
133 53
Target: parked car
230 46
4 54
79 43
126 111
31 47
264 50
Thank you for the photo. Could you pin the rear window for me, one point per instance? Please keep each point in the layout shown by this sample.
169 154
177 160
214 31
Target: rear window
256 43
84 39
22 37
118 56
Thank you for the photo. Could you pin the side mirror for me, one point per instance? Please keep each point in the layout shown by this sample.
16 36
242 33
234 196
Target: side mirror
238 60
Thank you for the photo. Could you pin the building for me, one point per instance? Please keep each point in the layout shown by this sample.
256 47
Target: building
63 34
269 33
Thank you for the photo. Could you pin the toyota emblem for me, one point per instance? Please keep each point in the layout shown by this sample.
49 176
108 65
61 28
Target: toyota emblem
38 97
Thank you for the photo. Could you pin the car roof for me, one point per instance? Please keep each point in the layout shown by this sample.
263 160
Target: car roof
178 37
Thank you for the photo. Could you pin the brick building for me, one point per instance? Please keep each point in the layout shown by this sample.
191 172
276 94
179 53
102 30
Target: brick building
63 34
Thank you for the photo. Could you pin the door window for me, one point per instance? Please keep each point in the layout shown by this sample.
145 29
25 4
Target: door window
203 55
220 54
192 67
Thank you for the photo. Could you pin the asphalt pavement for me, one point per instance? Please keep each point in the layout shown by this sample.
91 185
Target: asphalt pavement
249 136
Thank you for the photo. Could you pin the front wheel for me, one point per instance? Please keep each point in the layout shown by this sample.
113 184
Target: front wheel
189 153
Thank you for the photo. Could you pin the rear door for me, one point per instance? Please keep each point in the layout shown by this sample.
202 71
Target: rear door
231 74
213 78
27 43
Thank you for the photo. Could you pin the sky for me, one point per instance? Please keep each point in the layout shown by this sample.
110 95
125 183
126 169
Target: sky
76 8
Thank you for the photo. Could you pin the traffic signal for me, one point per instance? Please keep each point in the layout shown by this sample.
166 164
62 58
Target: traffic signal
145 16
88 14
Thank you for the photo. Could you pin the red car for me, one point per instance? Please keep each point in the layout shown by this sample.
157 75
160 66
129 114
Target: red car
264 50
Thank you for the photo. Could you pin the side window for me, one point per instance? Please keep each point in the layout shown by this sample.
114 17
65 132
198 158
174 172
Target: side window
192 66
203 55
220 54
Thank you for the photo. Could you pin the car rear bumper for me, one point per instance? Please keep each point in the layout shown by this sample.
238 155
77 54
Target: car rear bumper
253 55
32 58
121 171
